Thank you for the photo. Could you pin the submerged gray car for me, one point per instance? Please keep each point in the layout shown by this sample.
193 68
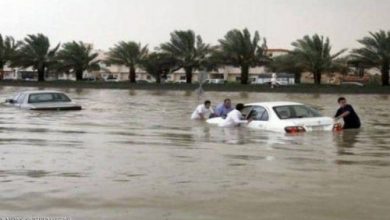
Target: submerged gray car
43 100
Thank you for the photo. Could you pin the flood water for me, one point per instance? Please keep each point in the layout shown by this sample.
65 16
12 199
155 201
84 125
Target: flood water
137 155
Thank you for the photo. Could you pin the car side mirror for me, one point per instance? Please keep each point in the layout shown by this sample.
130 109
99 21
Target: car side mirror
11 101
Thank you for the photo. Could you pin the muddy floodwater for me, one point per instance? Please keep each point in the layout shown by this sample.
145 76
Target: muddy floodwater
137 155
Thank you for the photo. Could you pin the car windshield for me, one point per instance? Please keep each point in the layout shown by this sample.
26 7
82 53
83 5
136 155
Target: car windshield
296 111
48 97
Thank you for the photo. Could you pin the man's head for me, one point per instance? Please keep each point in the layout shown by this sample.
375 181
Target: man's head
207 103
239 106
227 103
342 101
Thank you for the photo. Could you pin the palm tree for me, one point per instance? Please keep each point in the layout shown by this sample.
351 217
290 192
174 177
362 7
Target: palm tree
313 55
8 47
188 50
375 53
159 65
35 52
128 54
77 57
238 48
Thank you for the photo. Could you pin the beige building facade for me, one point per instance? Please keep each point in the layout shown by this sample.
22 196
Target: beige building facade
121 73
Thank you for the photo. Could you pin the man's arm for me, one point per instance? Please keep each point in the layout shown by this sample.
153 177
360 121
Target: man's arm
342 115
347 111
199 112
236 118
338 112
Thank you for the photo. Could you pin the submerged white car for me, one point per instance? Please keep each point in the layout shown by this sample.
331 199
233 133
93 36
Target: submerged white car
288 117
42 100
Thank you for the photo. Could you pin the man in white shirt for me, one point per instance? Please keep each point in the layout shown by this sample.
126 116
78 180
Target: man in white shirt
203 111
274 81
234 118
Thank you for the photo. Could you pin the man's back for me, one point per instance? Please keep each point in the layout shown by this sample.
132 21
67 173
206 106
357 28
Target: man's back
234 118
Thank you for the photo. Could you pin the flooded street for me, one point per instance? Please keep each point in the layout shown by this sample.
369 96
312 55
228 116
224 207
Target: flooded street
137 155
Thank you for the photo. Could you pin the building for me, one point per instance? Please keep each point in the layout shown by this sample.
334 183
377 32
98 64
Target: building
227 73
121 73
276 52
117 72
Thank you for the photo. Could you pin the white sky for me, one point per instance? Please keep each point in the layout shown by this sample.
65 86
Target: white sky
105 22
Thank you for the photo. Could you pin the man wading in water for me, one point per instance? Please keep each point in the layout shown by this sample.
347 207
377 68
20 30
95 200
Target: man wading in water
348 114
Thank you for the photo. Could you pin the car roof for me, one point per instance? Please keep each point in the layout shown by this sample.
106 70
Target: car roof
273 104
40 91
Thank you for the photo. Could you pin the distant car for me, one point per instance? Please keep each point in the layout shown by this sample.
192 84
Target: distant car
268 82
90 78
287 117
215 81
181 81
42 100
28 78
111 78
352 83
143 81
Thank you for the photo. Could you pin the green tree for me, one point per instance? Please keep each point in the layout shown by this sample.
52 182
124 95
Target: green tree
238 48
77 57
159 65
188 50
129 54
35 52
313 54
8 47
375 53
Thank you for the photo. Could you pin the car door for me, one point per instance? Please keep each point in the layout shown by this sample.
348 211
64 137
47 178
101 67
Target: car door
259 116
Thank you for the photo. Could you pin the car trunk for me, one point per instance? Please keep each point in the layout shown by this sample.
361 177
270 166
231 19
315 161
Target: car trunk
318 123
55 106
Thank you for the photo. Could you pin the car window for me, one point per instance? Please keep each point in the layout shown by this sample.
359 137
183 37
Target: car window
259 113
296 111
20 98
60 97
246 111
265 116
47 97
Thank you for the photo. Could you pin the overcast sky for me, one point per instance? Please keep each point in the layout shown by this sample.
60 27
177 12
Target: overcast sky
105 22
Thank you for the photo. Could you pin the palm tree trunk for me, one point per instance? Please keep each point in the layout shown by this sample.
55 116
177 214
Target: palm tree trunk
132 74
244 74
1 72
188 71
79 75
158 77
385 73
297 77
317 78
41 73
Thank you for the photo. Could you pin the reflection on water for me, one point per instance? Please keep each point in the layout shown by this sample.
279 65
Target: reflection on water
136 155
347 138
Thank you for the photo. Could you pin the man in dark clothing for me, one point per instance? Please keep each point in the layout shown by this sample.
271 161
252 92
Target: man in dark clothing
346 112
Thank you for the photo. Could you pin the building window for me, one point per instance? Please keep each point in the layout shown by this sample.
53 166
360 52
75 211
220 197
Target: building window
148 77
238 78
